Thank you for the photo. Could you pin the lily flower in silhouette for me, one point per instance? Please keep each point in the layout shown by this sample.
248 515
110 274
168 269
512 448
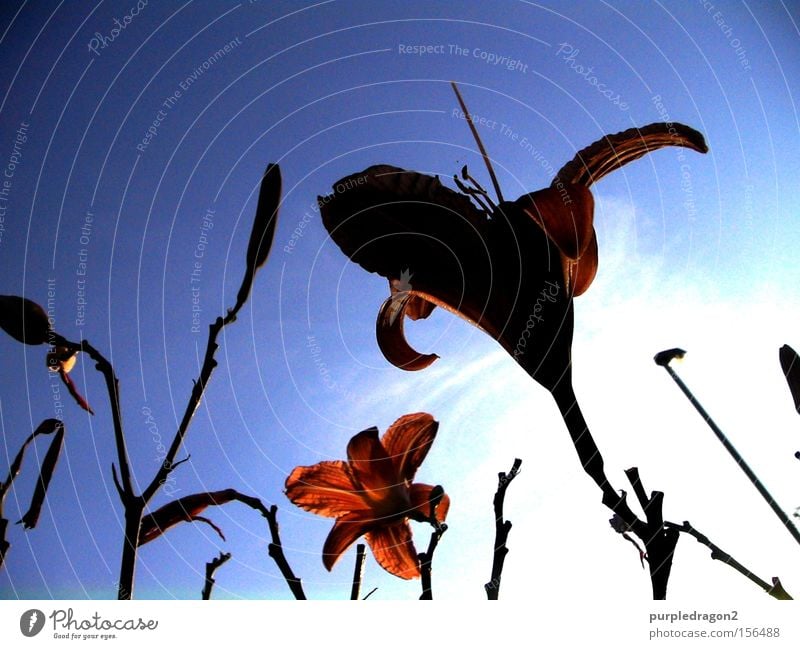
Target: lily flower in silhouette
511 268
372 493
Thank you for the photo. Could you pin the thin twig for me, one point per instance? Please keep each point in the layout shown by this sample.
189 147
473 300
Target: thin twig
211 568
370 593
776 590
358 571
502 528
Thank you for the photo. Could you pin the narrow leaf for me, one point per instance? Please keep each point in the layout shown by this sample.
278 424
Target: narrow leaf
23 320
30 519
790 362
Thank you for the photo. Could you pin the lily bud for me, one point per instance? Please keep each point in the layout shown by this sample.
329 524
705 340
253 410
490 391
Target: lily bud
23 320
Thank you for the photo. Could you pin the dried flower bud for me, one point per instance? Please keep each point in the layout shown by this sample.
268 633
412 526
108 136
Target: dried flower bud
23 320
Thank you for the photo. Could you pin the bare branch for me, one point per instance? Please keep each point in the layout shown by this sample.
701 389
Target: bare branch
502 528
776 590
211 568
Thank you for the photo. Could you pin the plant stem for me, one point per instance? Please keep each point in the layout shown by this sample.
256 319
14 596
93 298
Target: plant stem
358 571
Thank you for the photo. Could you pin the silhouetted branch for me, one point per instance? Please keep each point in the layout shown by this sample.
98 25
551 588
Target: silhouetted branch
502 528
370 593
276 552
659 541
358 571
426 561
776 590
426 558
211 568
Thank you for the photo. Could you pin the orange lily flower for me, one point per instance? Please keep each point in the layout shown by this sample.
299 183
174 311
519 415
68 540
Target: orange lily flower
372 493
511 269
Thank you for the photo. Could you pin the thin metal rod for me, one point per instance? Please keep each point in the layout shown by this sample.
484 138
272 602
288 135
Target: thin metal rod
735 455
480 144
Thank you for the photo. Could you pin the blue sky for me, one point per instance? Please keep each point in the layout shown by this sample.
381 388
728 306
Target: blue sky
695 251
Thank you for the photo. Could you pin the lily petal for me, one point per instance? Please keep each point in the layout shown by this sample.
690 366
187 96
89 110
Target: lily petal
326 489
390 333
407 442
566 216
372 468
394 551
613 151
581 272
421 501
344 533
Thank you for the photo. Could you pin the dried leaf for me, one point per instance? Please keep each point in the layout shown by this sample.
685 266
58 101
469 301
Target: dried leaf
74 391
186 509
23 320
261 236
30 519
613 151
790 362
47 427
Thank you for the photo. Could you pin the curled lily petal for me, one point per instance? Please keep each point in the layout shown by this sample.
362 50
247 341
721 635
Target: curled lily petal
326 489
613 151
407 442
393 550
390 333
